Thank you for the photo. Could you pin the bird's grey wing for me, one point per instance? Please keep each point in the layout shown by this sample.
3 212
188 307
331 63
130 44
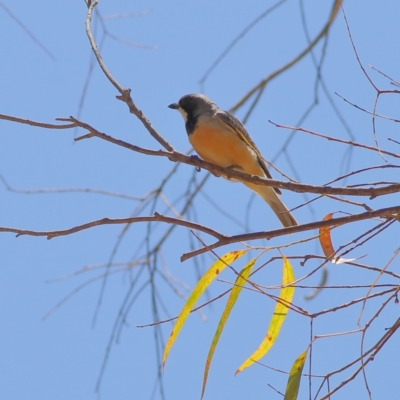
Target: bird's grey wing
241 131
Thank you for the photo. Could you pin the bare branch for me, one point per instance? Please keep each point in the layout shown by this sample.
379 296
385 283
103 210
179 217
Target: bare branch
229 173
390 212
125 93
348 142
28 32
38 124
263 83
115 221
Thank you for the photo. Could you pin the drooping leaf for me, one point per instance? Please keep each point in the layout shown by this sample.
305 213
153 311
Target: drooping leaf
326 244
201 286
281 309
293 384
325 238
321 284
236 289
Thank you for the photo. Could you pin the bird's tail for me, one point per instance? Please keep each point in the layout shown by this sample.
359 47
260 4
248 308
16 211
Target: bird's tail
269 195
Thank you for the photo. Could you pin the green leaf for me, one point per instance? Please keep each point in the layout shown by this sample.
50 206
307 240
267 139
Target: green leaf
293 385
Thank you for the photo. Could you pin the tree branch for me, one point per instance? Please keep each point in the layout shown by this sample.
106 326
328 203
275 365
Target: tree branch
390 212
263 83
125 93
384 212
115 221
229 173
333 139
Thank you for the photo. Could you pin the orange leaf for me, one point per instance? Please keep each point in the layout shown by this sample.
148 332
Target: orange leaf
325 238
326 244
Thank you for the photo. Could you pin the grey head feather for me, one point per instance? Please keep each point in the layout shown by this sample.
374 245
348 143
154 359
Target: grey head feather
197 104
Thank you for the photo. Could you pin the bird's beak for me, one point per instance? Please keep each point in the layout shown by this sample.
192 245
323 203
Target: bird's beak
174 106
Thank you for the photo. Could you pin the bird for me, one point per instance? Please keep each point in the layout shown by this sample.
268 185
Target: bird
220 138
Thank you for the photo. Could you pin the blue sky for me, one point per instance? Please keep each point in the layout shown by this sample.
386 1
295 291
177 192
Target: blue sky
178 41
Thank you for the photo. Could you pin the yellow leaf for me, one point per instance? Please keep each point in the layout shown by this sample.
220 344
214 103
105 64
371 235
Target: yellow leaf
281 309
201 286
236 289
293 385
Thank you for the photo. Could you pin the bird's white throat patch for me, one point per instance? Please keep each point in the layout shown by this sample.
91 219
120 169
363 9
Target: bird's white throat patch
183 113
